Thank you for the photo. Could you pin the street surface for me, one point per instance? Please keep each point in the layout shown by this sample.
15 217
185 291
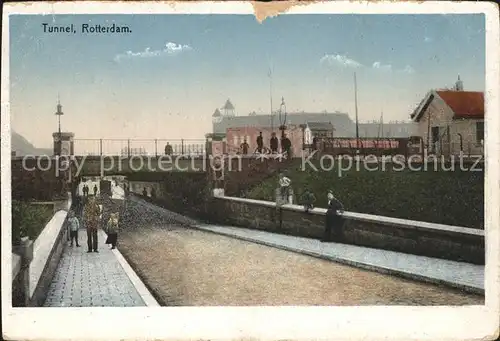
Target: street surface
190 267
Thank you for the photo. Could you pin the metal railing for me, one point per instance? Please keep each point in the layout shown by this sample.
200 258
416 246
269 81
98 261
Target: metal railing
145 147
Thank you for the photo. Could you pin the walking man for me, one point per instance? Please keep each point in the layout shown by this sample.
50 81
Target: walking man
95 190
91 216
74 226
334 220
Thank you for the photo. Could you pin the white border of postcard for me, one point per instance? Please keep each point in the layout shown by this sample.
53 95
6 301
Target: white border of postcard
264 323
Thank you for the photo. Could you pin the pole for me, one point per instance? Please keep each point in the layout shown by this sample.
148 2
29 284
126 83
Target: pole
356 110
382 123
271 98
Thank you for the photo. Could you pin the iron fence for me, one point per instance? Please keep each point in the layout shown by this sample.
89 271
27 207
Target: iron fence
145 147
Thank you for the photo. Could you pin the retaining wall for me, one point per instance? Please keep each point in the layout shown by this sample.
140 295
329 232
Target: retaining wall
401 235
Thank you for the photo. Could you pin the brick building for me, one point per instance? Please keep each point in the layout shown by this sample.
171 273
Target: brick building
451 121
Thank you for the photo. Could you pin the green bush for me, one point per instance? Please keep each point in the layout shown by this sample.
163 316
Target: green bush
444 197
28 220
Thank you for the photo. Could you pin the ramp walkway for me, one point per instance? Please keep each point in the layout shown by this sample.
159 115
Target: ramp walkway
464 276
102 279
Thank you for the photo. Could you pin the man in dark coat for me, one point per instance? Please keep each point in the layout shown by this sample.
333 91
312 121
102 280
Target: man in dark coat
334 220
273 144
260 143
286 146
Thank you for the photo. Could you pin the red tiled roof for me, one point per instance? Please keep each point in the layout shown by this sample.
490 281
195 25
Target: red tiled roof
465 104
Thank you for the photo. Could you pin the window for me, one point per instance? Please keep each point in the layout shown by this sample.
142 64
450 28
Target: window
479 132
435 134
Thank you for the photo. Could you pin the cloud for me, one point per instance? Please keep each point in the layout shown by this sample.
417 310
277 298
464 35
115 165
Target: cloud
383 67
427 39
169 49
339 60
408 69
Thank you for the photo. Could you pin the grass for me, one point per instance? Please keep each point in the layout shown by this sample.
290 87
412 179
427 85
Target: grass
445 197
28 220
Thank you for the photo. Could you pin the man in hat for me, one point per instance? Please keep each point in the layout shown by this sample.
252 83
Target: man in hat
91 216
334 220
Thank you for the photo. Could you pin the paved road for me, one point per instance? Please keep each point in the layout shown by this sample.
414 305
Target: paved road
189 267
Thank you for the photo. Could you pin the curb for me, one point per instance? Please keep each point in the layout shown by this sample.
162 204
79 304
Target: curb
374 268
141 288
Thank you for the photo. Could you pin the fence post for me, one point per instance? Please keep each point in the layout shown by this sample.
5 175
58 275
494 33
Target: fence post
128 148
156 147
182 146
100 147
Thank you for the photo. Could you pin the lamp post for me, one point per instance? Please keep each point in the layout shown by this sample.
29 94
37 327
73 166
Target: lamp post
282 117
59 113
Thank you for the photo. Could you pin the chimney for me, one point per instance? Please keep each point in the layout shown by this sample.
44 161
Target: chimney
459 85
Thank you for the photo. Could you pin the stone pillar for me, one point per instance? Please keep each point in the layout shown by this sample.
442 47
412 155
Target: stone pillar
25 251
63 143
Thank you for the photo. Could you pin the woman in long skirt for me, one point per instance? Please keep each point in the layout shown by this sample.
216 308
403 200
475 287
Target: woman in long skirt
112 230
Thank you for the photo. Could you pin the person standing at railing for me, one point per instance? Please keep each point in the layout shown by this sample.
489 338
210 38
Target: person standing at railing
334 220
286 146
273 143
260 143
95 190
168 149
244 147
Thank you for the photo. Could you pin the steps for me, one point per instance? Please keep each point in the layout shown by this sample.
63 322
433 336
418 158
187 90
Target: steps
252 172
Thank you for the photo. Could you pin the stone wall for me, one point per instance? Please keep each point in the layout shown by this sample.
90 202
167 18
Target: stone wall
412 237
31 182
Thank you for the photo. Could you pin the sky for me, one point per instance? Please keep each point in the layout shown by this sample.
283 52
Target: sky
166 78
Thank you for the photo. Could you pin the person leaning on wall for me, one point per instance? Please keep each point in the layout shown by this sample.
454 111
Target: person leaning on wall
334 221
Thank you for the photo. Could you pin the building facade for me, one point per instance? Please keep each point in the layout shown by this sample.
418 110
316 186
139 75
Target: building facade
225 118
451 121
236 136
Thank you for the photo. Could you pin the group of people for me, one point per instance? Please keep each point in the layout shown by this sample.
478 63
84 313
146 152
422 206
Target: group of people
153 192
286 145
86 190
93 219
334 220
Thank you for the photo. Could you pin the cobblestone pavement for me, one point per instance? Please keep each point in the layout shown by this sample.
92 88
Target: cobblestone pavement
186 267
189 267
461 275
91 279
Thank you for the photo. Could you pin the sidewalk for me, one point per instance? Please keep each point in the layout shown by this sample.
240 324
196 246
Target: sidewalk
465 276
102 279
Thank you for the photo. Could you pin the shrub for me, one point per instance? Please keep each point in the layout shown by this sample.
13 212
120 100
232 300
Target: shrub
28 220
